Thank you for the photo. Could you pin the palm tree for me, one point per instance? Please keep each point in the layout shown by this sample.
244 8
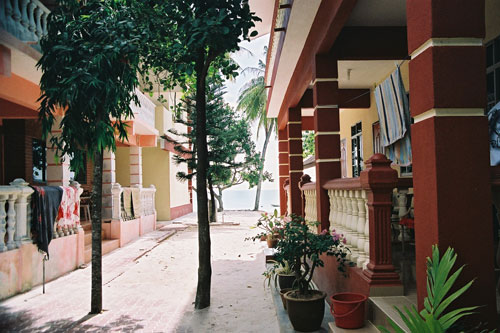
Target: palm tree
252 101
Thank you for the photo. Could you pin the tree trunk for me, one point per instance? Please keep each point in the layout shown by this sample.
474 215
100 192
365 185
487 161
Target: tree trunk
96 290
263 158
204 268
219 199
212 206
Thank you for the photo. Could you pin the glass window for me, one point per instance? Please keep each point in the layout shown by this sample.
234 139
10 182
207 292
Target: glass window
39 152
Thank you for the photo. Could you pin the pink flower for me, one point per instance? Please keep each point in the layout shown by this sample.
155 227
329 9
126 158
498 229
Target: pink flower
344 241
324 232
287 219
335 237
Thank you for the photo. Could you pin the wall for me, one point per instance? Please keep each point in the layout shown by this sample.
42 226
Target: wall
349 117
179 193
156 171
492 19
122 160
21 269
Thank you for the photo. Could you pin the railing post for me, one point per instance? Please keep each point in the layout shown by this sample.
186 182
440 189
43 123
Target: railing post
379 180
304 180
116 191
21 206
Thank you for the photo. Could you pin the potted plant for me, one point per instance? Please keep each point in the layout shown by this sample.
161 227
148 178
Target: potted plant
302 248
271 224
282 275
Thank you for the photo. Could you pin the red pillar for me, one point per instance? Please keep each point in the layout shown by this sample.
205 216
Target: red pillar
450 143
283 166
327 131
295 162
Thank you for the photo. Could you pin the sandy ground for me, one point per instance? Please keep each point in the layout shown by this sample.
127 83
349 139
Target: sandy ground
150 286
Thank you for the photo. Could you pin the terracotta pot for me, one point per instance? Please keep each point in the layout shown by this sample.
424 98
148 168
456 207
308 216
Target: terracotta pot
283 291
286 281
271 242
306 314
263 238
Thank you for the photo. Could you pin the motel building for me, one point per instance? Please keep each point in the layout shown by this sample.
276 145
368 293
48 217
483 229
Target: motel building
139 178
396 93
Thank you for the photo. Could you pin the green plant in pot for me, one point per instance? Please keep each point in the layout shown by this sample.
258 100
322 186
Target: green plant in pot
271 224
282 275
302 248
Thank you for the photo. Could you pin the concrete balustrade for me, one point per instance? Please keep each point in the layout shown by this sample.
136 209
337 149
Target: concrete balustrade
14 215
25 19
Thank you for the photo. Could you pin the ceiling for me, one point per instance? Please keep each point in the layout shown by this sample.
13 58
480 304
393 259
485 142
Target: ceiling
364 74
264 10
378 13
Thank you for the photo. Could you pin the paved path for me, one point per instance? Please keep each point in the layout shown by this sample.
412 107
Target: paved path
150 286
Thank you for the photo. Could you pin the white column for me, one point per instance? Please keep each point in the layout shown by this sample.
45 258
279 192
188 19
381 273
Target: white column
108 179
58 171
354 226
3 222
135 166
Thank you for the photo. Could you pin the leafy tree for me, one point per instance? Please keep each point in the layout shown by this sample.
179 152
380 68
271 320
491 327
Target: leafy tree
190 37
308 144
231 152
90 62
252 100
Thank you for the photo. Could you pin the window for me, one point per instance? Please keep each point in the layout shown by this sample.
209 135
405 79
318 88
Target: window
377 139
81 175
357 149
39 153
493 72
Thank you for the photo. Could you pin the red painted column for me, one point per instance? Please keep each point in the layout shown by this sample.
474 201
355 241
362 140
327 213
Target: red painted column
283 166
450 143
379 180
295 162
327 131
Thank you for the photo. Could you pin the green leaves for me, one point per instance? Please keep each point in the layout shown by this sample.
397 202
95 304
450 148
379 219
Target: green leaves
432 318
90 62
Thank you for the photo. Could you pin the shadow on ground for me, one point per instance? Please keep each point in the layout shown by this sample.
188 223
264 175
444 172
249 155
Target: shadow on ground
24 321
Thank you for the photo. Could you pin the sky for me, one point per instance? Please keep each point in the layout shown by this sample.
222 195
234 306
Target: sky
244 59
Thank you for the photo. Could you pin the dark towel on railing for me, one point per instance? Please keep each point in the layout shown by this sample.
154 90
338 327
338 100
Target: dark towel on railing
44 207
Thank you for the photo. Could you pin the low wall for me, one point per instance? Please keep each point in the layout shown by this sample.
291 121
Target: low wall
330 280
127 231
179 211
147 224
22 268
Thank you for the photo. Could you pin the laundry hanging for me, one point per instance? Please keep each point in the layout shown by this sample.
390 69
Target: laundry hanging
394 115
45 205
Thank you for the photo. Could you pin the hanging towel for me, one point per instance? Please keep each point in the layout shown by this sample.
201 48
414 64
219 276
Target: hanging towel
400 151
394 116
68 214
136 202
45 205
494 131
393 109
127 203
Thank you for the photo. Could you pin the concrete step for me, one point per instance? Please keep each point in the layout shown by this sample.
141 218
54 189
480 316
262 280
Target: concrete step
368 328
108 245
381 309
88 237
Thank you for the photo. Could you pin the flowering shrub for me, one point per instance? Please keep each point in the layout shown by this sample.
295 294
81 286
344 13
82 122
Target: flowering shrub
301 249
271 224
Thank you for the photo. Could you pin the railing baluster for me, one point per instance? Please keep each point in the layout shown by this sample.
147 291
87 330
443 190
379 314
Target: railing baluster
354 226
3 222
11 222
361 228
31 21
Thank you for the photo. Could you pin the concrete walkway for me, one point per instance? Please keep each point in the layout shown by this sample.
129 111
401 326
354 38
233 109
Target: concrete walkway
150 285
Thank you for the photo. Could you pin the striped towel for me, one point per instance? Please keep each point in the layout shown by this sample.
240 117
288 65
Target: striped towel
392 107
394 116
